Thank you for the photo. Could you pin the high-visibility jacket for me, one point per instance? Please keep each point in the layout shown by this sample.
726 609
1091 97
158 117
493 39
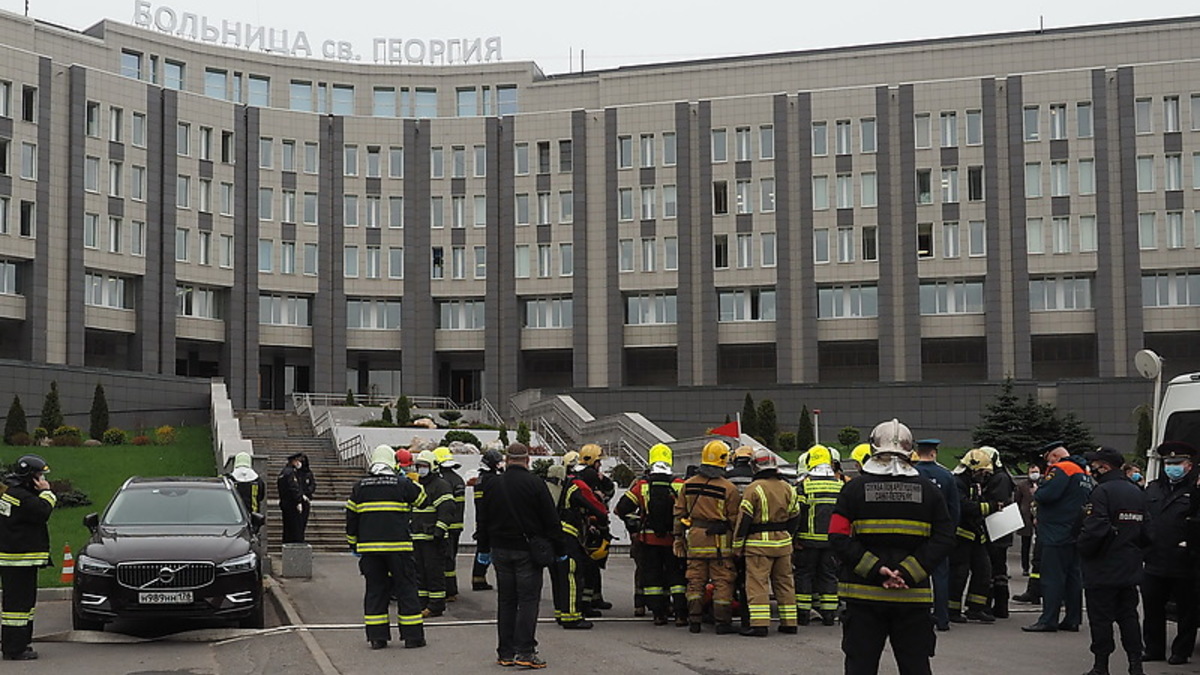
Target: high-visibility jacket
974 508
378 513
24 536
651 500
578 507
458 488
818 495
706 512
431 520
770 513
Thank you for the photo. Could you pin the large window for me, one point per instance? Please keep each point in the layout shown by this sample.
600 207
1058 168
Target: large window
1060 293
548 312
372 313
103 290
951 297
461 315
847 301
199 302
746 304
650 308
283 310
1171 289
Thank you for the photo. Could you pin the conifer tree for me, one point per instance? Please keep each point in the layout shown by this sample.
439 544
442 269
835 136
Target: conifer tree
749 417
15 422
52 417
768 426
99 415
805 437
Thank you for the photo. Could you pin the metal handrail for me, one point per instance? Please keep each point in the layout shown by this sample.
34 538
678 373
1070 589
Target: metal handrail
490 414
547 431
352 448
323 424
632 458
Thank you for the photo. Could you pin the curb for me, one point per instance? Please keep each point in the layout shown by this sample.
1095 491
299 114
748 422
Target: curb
51 594
288 610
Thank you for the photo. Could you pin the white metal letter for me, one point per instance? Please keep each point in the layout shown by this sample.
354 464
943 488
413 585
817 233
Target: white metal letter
208 32
471 50
437 52
379 50
280 46
254 37
141 14
158 19
188 22
301 45
450 45
345 51
395 51
493 47
231 33
408 51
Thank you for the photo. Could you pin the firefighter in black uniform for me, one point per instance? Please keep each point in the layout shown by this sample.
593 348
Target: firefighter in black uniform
648 511
377 519
597 538
1001 491
970 558
250 486
25 505
578 508
458 487
890 529
492 464
430 530
1169 572
1110 553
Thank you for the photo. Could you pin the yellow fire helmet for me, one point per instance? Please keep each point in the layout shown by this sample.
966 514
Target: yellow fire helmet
589 454
659 452
570 459
445 457
976 460
818 455
715 453
743 452
861 452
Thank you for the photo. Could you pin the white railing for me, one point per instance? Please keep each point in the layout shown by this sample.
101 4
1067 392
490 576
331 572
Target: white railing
548 433
323 423
625 434
302 401
632 458
226 430
352 451
486 410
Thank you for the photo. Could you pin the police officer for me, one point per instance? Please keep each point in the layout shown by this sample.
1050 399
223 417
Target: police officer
1110 549
377 520
1169 572
492 463
293 503
647 509
890 529
927 465
816 567
770 513
25 506
705 513
1060 499
458 487
430 530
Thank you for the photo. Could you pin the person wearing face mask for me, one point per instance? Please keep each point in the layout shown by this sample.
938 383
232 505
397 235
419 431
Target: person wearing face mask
1134 473
430 530
1169 573
1024 500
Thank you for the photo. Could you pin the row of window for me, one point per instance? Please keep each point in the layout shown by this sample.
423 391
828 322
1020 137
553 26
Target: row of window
26 218
29 101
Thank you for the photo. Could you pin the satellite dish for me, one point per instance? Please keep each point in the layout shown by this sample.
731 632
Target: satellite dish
1148 363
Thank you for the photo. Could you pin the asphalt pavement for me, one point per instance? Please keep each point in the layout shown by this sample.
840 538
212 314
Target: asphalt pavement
315 627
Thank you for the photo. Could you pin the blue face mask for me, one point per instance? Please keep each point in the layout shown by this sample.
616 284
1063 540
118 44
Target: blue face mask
1136 477
1174 471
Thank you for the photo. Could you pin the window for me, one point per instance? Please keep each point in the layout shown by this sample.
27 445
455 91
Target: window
116 182
741 144
205 149
566 206
1035 237
183 135
181 246
466 102
458 210
649 257
1147 231
373 161
1143 122
974 127
350 262
1060 182
395 262
91 172
227 154
343 100
766 142
28 219
720 146
131 64
1173 180
1087 233
205 197
870 243
1060 293
867 129
266 153
350 160
721 251
820 245
1058 121
951 297
137 238
29 161
29 104
259 91
522 206
4 227
521 261
650 308
227 251
950 248
624 152
925 240
1145 173
372 260
1060 235
461 315
283 310
845 243
820 139
91 230
1030 123
5 99
116 125
372 314
649 202
1195 112
566 157
458 162
1083 119
743 201
924 186
950 185
92 119
745 250
1174 229
312 156
921 131
106 291
752 304
647 150
768 251
173 75
766 193
669 157
851 301
288 162
548 313
425 103
543 157
720 198
670 202
842 137
521 159
481 262
216 83
820 192
670 253
1087 176
870 191
480 161
975 183
949 128
395 211
1033 180
139 130
437 212
266 203
227 199
845 191
395 162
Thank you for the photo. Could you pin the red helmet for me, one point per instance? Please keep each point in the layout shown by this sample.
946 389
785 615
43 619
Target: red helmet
404 457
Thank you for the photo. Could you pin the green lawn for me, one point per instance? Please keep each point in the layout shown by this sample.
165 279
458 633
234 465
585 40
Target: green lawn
100 471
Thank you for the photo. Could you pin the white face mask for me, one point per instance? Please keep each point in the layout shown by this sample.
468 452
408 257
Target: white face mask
1035 476
422 470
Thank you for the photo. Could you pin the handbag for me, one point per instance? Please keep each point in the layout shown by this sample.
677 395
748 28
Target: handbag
541 549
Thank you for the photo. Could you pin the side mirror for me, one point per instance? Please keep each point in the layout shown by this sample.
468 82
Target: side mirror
257 520
91 521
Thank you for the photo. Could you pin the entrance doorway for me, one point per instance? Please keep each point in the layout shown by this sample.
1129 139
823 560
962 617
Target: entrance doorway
466 386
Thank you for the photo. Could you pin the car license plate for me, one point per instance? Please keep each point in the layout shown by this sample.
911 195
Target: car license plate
163 598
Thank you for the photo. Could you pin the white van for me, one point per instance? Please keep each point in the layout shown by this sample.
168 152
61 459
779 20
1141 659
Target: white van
1178 416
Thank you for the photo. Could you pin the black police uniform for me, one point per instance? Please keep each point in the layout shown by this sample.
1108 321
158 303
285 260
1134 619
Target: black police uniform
292 505
1001 490
1170 572
1110 549
24 548
377 528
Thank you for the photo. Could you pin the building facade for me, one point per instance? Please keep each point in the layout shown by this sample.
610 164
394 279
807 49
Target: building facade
955 210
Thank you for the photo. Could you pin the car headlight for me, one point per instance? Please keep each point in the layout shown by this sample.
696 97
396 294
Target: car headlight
242 563
86 564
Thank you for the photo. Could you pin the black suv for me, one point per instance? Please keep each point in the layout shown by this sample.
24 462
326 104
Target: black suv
170 547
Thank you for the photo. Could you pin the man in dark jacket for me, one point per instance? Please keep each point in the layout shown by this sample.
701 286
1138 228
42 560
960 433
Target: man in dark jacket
1060 499
1169 572
25 505
491 464
290 492
516 507
927 465
1110 549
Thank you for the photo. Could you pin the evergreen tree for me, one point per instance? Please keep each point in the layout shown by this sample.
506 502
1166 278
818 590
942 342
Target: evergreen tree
768 426
15 423
749 417
805 438
848 437
99 415
1004 427
387 413
1145 429
403 411
523 433
1075 433
52 417
504 435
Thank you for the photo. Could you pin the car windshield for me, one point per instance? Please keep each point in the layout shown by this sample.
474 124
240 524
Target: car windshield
172 505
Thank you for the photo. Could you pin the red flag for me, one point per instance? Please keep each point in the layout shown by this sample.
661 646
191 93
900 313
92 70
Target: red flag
730 430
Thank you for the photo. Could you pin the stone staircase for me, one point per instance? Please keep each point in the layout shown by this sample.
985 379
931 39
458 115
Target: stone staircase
278 435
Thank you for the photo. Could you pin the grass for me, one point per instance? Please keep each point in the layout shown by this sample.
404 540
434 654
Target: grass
99 471
947 457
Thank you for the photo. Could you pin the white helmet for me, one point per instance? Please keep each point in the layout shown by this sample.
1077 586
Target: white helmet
764 460
893 437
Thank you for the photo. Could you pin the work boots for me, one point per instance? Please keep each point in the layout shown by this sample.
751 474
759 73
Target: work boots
1000 601
1100 666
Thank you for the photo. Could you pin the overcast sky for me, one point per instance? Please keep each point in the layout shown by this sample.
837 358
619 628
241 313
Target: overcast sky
624 32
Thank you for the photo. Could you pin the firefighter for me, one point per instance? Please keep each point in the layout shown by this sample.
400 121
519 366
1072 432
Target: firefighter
404 464
705 512
970 560
890 529
1002 491
26 502
741 474
492 465
431 529
597 538
816 567
647 509
377 520
577 509
769 516
458 487
250 486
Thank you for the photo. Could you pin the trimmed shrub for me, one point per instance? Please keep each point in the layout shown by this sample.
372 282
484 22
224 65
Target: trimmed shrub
461 435
523 433
387 414
349 398
20 438
403 411
541 467
141 439
52 417
99 415
39 433
504 435
15 423
451 416
848 437
114 436
787 441
68 495
164 435
67 436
